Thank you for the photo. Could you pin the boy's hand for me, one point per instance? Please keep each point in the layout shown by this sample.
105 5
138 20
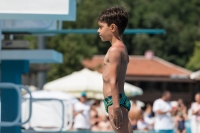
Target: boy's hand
117 117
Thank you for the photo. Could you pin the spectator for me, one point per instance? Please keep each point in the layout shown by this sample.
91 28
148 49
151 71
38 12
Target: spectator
148 111
149 116
162 109
195 120
189 112
95 127
100 108
82 114
134 115
182 108
174 105
142 124
104 125
180 123
93 117
181 116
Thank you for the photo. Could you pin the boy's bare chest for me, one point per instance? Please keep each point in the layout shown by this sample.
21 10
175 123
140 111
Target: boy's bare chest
106 68
106 59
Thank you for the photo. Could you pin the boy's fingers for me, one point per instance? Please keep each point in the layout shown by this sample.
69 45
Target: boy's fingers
114 123
121 121
117 123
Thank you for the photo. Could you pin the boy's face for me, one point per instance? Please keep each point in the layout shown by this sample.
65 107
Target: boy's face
104 31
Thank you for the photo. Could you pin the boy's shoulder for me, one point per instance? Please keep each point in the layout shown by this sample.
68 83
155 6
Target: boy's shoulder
117 47
115 50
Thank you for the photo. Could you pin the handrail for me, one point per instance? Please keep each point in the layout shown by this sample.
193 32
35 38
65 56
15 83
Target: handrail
17 88
69 118
70 115
63 112
17 119
30 104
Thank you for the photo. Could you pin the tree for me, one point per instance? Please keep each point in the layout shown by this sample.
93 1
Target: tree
73 54
180 19
76 47
194 62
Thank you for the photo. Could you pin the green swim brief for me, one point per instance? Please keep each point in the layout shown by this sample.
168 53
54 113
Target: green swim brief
123 101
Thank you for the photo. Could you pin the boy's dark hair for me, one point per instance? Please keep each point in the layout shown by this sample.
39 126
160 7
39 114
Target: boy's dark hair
115 15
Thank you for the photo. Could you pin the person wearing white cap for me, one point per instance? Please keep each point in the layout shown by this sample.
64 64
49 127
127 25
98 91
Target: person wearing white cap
82 114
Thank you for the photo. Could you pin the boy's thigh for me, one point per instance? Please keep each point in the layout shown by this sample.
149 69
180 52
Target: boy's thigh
126 126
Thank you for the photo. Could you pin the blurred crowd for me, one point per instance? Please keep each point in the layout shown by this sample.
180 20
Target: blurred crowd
162 115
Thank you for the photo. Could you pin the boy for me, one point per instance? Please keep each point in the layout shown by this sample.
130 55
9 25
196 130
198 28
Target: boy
112 23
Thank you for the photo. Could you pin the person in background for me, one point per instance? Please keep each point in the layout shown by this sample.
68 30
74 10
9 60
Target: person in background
148 111
181 106
142 125
81 112
95 127
134 115
195 120
163 109
99 107
94 118
149 116
104 124
180 123
181 117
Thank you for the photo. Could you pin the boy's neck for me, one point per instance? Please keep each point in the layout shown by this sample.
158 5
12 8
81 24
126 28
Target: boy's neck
115 39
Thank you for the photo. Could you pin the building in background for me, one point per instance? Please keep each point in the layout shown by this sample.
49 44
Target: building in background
153 75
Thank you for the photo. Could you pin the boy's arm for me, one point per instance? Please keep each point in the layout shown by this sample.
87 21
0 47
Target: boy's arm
114 62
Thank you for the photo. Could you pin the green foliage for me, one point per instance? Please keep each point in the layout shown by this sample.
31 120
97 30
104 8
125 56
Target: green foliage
180 19
194 63
73 54
32 40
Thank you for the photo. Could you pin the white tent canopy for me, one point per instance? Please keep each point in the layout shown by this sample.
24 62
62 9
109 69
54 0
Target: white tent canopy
88 81
195 75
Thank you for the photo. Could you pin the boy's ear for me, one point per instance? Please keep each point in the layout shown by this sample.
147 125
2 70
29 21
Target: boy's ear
113 27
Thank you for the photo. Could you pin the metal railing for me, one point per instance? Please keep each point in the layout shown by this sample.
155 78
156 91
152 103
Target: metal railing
18 117
16 121
69 118
63 112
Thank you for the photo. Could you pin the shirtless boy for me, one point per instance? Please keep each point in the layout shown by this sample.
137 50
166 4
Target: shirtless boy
112 23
